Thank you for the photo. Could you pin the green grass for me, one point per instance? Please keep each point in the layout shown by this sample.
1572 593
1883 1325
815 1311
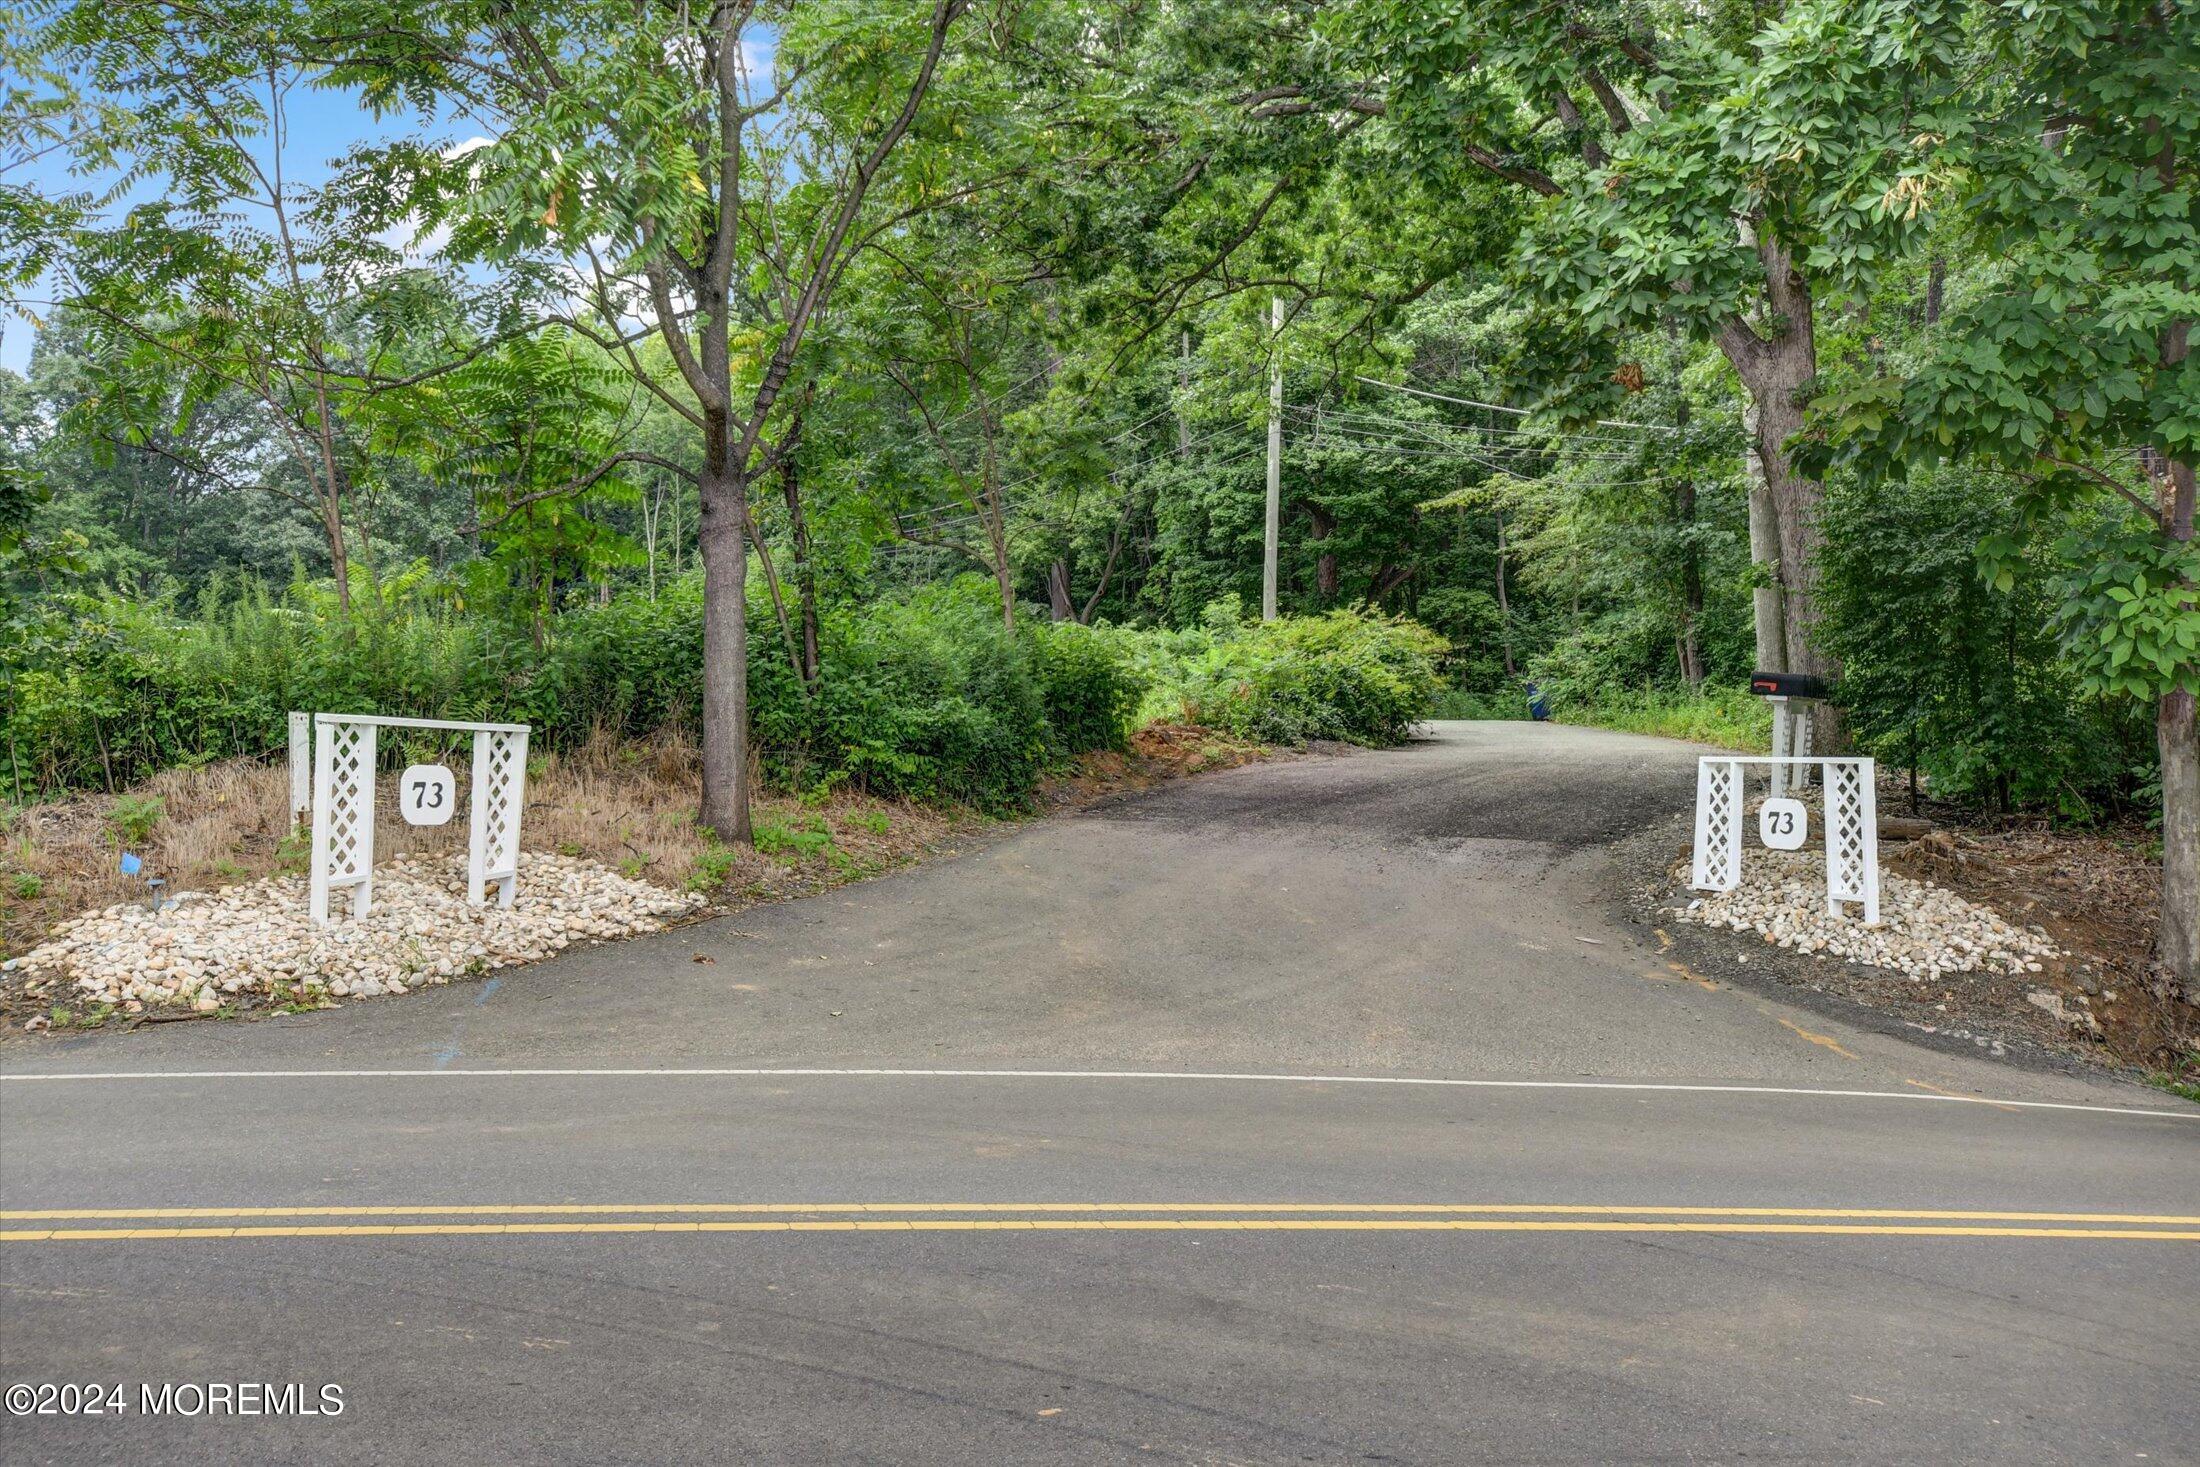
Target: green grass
2184 1089
1459 703
2182 1079
1726 718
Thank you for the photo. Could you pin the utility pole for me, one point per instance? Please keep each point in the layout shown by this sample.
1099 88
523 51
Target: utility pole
1184 399
1275 462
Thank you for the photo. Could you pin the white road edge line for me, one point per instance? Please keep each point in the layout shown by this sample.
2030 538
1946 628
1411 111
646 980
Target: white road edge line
727 1072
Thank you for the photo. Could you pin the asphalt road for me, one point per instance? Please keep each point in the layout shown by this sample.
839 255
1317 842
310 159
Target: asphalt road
1314 1111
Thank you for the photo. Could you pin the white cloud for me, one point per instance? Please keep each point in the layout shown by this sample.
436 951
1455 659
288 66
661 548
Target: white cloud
405 236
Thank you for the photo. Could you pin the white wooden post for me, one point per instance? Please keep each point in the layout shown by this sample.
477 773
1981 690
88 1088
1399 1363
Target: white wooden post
492 849
1780 749
343 814
1718 857
1852 836
301 769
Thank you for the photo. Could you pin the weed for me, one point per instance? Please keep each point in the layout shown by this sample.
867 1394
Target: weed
2182 1079
713 864
793 840
27 886
874 821
134 816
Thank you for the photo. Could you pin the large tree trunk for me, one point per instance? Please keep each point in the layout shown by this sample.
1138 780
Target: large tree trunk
1769 617
2179 741
1774 369
723 542
1060 607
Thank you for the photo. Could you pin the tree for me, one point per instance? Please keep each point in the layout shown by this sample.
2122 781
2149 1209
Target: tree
513 429
707 196
232 285
2079 171
952 335
1723 168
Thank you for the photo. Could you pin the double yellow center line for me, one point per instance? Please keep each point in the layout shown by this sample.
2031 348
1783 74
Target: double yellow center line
508 1219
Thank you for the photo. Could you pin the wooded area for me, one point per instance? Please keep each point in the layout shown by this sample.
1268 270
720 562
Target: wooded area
883 389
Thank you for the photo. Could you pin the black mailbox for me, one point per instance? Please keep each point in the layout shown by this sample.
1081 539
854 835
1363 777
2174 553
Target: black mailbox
1787 685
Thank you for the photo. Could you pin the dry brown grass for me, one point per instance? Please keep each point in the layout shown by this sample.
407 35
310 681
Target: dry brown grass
628 804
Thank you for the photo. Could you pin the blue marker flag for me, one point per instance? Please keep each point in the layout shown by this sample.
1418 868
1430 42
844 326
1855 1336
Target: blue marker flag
131 865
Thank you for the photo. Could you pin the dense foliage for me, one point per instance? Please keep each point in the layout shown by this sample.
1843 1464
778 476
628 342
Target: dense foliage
924 694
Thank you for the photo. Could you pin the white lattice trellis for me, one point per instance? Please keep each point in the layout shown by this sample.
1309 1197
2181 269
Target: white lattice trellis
343 815
1851 826
1852 837
500 776
343 806
1718 865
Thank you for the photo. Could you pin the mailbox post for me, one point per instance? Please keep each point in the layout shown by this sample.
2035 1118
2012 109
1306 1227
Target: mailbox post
1790 694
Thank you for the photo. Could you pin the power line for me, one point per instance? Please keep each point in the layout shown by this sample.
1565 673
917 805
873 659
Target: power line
969 517
1496 408
1115 473
1361 436
1133 428
1556 436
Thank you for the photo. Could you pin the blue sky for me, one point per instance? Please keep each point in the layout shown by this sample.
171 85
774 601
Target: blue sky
323 125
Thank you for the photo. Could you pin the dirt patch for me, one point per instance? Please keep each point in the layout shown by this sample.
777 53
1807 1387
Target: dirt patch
1157 752
2098 897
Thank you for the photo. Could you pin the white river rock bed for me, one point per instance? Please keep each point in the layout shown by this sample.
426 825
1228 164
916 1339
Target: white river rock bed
255 940
1924 932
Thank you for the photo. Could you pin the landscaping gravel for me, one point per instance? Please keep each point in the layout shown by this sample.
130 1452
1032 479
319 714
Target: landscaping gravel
205 951
1924 931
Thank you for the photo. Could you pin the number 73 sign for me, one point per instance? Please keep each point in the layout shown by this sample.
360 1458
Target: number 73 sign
1782 824
428 795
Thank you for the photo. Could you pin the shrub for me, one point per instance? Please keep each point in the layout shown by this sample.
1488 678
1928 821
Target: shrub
928 697
1090 685
134 816
631 664
1351 675
1968 685
925 696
